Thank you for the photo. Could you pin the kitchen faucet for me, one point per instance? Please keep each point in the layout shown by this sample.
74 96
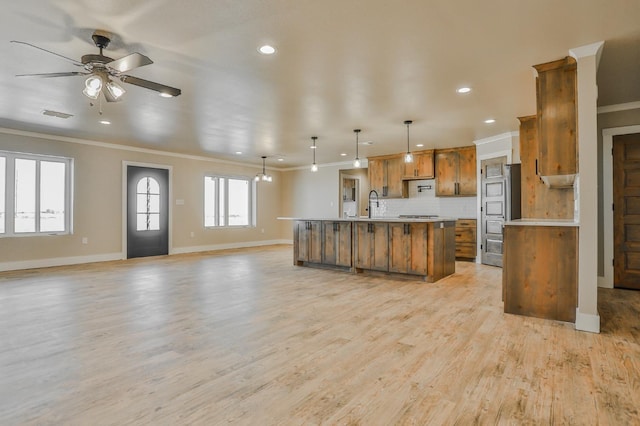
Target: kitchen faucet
373 191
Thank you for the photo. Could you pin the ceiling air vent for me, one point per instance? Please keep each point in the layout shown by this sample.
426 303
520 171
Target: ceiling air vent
56 114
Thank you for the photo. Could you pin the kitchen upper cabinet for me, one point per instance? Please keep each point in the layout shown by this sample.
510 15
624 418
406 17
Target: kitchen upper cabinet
385 175
456 172
421 167
557 118
372 246
336 243
408 248
308 239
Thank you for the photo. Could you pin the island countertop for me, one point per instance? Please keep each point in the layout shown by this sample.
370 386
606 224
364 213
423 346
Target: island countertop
395 219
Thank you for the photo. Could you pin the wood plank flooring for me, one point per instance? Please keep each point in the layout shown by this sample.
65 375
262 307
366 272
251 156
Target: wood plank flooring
243 337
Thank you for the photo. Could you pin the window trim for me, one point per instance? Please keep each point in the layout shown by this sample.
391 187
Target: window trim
9 202
251 210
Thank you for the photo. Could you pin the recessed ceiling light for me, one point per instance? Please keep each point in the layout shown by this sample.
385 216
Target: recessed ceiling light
105 122
343 154
463 89
420 145
280 159
267 50
366 143
238 152
489 121
166 95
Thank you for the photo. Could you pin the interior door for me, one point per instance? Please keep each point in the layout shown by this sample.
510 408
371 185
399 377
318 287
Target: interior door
493 209
147 211
626 212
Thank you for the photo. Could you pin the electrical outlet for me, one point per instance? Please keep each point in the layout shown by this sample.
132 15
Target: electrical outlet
262 231
192 234
85 240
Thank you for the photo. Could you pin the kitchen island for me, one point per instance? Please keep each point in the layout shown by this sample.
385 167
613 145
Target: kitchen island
421 246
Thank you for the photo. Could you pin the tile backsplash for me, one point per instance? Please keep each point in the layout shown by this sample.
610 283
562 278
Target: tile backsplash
423 201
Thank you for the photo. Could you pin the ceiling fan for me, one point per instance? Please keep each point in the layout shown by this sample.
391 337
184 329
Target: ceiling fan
102 70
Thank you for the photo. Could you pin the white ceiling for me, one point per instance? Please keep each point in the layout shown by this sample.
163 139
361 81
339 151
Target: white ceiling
340 65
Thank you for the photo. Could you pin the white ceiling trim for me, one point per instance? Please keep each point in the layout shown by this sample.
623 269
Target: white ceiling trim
619 107
79 141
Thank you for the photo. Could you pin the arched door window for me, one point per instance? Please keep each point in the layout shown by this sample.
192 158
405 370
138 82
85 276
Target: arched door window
148 204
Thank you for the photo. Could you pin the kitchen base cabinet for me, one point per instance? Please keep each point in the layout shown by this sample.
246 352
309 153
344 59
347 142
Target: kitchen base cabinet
540 271
408 248
371 246
466 239
425 248
336 244
307 237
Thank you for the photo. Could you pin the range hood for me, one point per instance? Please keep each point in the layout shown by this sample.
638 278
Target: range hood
559 181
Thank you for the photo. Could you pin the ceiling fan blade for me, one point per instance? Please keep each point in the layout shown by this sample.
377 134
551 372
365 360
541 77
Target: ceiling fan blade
129 62
54 74
171 91
73 61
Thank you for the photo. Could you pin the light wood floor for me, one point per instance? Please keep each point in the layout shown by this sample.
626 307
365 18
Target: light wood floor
244 337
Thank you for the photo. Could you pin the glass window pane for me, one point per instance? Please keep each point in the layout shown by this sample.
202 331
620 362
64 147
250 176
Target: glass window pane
141 188
154 204
238 202
141 204
154 187
3 183
209 201
154 222
222 209
141 222
52 196
25 196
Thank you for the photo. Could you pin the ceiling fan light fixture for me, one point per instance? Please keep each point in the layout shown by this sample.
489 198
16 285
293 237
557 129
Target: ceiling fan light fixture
115 89
91 93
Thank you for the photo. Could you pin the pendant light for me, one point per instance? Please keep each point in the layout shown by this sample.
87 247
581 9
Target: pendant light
314 167
263 176
356 162
408 157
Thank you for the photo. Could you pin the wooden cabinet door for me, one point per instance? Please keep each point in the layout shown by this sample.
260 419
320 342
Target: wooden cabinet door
467 181
343 244
399 248
380 245
421 167
424 165
394 172
329 253
446 173
315 241
302 241
557 117
417 248
364 245
376 175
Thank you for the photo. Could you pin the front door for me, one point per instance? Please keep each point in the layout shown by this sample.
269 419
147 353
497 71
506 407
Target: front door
626 212
147 211
493 209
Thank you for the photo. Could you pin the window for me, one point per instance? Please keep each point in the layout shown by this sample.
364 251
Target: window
35 194
148 204
228 201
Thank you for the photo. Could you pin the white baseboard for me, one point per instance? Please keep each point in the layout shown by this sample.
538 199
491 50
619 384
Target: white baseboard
587 322
215 247
605 282
58 261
